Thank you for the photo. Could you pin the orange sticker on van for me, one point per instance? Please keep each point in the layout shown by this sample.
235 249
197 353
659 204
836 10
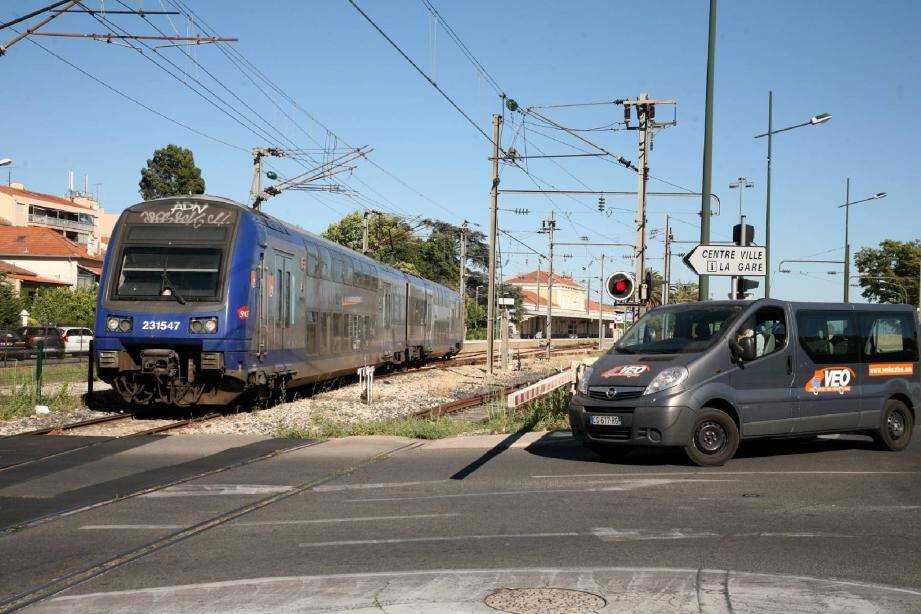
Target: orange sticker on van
831 379
626 371
883 369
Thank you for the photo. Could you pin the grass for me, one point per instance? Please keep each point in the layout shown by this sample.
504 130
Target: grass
20 401
51 373
547 413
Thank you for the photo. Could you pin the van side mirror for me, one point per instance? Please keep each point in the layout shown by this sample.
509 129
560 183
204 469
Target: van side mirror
743 346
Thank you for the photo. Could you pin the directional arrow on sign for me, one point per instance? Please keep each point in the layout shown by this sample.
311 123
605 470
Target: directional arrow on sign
747 260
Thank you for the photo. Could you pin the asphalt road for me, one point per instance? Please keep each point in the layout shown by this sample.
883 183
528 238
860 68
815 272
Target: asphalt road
387 524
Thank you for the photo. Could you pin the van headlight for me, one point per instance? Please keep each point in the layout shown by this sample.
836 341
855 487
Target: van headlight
667 378
582 384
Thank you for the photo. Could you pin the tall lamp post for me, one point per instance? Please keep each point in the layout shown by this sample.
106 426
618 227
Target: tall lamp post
9 172
847 246
815 120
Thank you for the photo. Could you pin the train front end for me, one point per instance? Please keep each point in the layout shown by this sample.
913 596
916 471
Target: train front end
172 320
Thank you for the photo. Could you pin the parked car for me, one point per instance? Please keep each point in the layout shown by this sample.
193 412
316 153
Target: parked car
12 346
51 335
76 339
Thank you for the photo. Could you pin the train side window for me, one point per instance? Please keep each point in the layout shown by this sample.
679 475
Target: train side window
323 262
310 331
337 265
290 295
279 298
312 264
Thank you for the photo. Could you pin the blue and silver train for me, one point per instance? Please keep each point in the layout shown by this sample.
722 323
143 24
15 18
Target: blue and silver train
203 300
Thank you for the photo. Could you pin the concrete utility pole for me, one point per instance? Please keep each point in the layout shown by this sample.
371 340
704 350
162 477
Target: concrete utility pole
704 280
667 273
493 225
462 286
646 127
549 227
601 305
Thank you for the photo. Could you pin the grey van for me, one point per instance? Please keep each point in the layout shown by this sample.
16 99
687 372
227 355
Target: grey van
703 376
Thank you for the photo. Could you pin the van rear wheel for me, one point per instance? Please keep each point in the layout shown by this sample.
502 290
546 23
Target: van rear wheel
714 438
896 424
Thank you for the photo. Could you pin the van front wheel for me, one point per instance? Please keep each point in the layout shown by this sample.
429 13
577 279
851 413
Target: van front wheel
896 424
714 438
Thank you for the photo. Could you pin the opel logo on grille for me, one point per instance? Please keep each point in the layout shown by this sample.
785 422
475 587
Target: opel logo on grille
611 393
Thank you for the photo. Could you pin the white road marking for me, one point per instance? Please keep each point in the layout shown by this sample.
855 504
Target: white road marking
718 473
208 490
619 535
624 485
265 523
133 527
336 487
436 538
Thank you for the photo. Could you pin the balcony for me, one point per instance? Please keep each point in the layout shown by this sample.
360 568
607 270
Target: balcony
56 222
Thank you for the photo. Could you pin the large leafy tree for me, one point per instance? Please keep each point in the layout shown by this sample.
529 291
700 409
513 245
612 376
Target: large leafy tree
60 306
889 274
171 172
684 292
10 305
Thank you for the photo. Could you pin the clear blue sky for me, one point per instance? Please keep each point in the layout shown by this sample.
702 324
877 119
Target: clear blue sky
855 60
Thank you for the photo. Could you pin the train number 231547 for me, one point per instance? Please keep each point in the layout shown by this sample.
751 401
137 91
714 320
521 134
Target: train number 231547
160 325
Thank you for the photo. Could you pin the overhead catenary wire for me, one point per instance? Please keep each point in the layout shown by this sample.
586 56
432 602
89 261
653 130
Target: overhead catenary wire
134 100
240 61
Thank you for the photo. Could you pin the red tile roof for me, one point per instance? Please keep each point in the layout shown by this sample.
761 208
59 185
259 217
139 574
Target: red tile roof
593 306
531 297
533 276
39 241
50 198
8 268
35 279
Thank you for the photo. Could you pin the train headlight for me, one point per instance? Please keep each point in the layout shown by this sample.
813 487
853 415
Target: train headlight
203 325
125 324
112 323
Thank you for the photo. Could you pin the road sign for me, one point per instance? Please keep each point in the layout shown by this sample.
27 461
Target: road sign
727 260
506 302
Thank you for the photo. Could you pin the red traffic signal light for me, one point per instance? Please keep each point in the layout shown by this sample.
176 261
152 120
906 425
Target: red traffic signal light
620 286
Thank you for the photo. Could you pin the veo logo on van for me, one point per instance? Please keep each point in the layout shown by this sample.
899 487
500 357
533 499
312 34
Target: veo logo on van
831 379
626 371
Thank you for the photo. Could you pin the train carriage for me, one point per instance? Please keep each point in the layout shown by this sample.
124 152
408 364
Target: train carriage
203 299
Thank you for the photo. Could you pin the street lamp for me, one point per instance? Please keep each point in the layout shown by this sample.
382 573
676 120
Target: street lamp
815 120
847 246
9 172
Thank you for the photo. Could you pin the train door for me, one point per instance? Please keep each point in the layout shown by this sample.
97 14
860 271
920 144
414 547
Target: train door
282 303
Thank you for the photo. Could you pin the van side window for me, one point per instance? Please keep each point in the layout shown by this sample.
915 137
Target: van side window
888 337
770 326
828 337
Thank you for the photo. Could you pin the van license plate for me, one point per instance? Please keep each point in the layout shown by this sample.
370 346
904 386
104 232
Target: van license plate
605 420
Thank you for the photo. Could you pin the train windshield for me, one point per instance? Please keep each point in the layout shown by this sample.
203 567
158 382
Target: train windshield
179 272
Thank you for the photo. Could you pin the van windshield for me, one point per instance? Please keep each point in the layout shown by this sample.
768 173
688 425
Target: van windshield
677 330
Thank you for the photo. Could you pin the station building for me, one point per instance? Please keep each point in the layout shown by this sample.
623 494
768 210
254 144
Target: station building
48 240
574 314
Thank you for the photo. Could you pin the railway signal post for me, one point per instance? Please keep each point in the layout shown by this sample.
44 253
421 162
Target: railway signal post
493 223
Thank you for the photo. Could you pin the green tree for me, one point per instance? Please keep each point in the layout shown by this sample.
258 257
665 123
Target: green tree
60 306
10 305
684 292
889 274
171 172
